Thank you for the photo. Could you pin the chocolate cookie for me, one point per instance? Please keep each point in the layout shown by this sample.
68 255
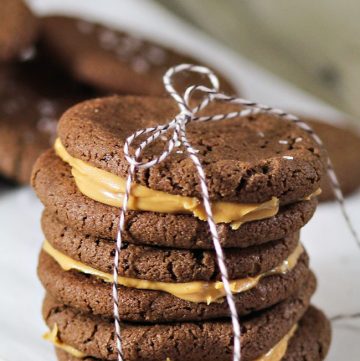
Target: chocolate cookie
343 145
210 340
90 294
114 60
247 160
312 339
18 30
165 264
310 342
33 94
56 188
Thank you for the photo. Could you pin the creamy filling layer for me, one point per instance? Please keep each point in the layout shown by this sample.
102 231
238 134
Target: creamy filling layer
108 188
196 291
279 350
274 354
53 337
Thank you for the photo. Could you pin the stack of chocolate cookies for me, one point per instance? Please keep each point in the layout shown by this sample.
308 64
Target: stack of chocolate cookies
263 175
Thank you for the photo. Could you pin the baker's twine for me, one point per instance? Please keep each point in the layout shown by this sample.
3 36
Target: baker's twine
179 139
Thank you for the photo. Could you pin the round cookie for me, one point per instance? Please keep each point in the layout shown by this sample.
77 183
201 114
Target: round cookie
18 30
247 160
88 293
343 145
33 94
55 186
310 342
166 264
178 341
114 60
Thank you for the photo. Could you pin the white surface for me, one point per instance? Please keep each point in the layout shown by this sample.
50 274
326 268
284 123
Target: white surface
335 258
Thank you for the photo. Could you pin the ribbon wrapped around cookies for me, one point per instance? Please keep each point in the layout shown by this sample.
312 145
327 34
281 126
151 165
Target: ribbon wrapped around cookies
178 139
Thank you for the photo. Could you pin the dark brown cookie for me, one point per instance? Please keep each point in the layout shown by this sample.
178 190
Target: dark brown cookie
33 94
18 30
247 160
114 60
210 340
90 294
56 188
165 264
310 342
343 145
312 339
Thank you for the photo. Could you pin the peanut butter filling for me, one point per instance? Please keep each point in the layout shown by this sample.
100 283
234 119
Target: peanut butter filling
196 291
279 350
108 188
52 336
274 354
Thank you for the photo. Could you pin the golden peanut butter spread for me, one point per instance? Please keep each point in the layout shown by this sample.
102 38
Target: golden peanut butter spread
108 188
279 350
52 336
196 291
274 354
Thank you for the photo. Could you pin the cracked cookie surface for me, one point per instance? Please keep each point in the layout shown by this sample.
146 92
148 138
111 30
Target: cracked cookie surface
211 340
165 264
55 186
88 293
310 342
246 160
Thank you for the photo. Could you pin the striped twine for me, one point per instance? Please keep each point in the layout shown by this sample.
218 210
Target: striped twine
178 128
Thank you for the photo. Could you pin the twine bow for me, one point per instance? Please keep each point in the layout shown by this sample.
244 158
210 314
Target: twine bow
179 138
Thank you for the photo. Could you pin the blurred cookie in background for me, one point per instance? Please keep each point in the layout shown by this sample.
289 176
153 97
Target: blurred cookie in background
38 86
18 30
343 146
33 94
114 60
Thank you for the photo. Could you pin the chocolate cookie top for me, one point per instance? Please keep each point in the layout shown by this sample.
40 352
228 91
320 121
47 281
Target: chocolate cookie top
310 342
246 160
114 60
55 186
87 293
212 340
165 264
343 145
18 30
33 94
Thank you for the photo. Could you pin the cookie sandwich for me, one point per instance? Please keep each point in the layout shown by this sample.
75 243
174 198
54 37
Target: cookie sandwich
263 175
